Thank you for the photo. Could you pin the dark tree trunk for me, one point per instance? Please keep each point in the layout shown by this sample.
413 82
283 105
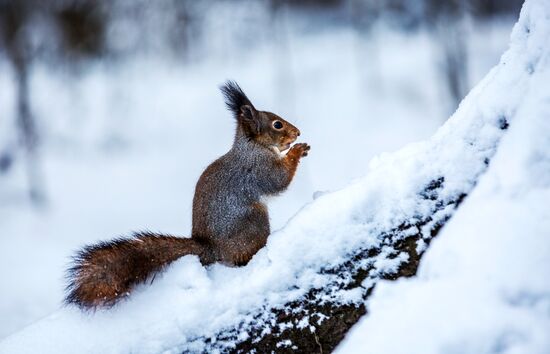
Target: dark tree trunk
28 134
447 19
14 18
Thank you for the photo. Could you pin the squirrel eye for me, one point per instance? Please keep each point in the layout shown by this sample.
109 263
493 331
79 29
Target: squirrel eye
277 125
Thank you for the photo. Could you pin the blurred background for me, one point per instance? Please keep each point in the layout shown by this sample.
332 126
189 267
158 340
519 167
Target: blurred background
110 110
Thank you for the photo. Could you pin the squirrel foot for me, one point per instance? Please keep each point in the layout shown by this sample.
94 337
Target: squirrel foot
299 150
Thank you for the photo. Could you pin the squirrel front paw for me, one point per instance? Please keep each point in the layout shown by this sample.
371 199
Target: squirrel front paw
299 150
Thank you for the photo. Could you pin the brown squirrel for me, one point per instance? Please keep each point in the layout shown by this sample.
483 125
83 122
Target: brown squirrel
230 222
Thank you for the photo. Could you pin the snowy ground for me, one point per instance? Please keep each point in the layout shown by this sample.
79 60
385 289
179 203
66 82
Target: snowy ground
125 146
483 286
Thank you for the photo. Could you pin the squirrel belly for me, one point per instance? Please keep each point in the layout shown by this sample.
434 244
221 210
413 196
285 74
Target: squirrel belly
104 273
230 222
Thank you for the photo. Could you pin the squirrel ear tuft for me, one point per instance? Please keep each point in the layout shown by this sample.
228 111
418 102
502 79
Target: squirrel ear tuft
235 98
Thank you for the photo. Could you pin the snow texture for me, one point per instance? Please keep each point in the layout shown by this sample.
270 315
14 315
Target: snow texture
419 185
483 286
124 146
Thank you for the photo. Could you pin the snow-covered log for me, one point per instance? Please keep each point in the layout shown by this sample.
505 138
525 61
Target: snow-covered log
308 286
484 285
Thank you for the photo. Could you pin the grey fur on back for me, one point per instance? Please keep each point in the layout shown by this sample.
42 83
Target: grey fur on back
227 205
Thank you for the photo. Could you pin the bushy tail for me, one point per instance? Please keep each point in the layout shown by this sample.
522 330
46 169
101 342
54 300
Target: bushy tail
104 273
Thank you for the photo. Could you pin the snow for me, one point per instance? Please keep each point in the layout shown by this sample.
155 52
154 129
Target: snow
188 302
123 147
483 286
119 142
142 175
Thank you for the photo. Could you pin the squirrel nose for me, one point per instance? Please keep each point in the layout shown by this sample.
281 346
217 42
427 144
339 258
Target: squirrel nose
297 133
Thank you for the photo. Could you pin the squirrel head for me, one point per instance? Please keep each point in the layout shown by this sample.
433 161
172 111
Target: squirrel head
265 128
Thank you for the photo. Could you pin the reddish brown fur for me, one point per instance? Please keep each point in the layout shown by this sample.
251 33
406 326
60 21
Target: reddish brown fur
230 223
108 271
292 158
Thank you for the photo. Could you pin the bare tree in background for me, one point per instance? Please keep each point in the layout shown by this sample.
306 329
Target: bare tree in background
447 19
80 26
282 57
363 17
13 19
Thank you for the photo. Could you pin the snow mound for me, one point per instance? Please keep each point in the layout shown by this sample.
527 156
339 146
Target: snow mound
483 286
419 187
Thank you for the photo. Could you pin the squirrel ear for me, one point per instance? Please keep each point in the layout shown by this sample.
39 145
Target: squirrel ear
247 112
249 115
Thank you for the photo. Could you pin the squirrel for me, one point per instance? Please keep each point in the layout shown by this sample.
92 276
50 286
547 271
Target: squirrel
230 223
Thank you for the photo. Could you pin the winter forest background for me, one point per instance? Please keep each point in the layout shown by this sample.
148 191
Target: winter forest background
109 110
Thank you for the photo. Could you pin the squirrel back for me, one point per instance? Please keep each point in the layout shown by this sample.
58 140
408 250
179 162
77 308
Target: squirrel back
230 222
